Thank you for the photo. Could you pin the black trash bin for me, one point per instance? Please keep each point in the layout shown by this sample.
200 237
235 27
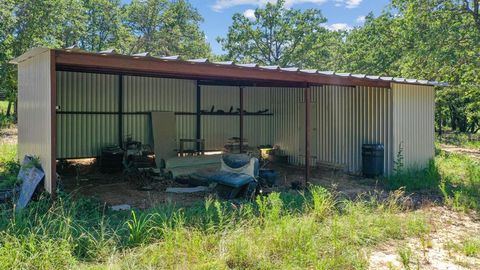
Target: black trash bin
372 160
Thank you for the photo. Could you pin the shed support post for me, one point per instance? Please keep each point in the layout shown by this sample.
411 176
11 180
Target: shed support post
120 110
198 118
306 93
53 116
241 119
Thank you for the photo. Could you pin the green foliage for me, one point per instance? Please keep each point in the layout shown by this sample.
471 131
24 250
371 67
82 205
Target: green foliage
276 231
405 255
413 179
281 36
161 27
139 228
460 180
456 177
459 139
9 166
164 27
470 246
458 107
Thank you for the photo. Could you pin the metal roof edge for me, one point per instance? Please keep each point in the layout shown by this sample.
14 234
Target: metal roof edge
28 54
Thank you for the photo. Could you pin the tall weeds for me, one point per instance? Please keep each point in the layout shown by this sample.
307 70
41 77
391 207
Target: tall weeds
281 230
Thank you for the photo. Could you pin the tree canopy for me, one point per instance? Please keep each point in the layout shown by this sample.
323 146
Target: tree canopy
426 39
279 36
161 27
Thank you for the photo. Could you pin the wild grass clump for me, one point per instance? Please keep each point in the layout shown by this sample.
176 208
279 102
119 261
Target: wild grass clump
413 179
460 183
325 234
282 230
9 166
469 246
461 139
454 176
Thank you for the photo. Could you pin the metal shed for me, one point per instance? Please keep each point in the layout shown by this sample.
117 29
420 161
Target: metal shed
71 103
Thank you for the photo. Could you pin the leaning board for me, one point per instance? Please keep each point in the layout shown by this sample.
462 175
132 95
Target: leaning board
164 134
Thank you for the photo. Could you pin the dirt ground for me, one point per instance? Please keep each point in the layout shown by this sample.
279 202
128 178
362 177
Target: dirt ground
8 135
114 188
448 228
474 153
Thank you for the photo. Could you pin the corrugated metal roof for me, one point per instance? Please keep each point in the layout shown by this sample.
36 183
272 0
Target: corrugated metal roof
272 68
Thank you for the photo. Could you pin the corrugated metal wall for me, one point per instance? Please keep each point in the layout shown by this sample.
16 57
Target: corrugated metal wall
343 118
413 118
257 129
146 94
34 112
83 135
217 129
346 118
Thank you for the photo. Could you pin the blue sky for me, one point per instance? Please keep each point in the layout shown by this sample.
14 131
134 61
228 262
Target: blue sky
217 14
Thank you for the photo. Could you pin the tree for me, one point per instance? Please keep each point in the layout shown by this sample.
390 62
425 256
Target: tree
7 22
163 27
104 27
280 36
472 7
374 48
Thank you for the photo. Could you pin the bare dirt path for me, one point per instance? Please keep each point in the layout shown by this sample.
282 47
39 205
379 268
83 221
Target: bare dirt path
8 135
474 153
449 229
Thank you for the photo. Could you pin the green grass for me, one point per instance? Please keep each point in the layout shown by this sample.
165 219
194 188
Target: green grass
315 229
460 180
471 141
9 165
5 121
470 246
3 106
281 231
455 176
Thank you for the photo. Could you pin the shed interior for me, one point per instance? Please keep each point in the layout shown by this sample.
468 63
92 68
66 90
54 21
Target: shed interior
99 100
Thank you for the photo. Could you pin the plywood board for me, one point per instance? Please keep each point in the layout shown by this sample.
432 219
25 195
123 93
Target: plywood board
164 134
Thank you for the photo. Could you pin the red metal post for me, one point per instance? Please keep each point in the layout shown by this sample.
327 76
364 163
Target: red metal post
306 92
241 119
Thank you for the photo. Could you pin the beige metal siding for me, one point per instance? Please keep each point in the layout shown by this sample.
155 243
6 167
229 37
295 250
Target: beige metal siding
413 123
217 129
257 128
34 112
286 117
346 118
84 135
146 94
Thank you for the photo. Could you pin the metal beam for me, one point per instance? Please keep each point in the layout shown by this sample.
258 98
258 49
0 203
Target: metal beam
150 66
120 110
241 119
198 116
53 119
306 92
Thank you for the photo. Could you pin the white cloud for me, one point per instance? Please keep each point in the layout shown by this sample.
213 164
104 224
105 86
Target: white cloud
249 14
352 3
338 27
224 4
360 19
348 3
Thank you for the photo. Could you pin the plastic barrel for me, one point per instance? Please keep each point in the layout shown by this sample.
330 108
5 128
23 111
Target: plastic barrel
372 160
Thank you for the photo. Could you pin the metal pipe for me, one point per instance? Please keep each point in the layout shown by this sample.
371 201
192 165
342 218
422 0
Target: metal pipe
241 119
120 110
198 116
306 92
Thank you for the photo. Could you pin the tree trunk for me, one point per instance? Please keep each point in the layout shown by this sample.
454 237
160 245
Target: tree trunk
9 108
